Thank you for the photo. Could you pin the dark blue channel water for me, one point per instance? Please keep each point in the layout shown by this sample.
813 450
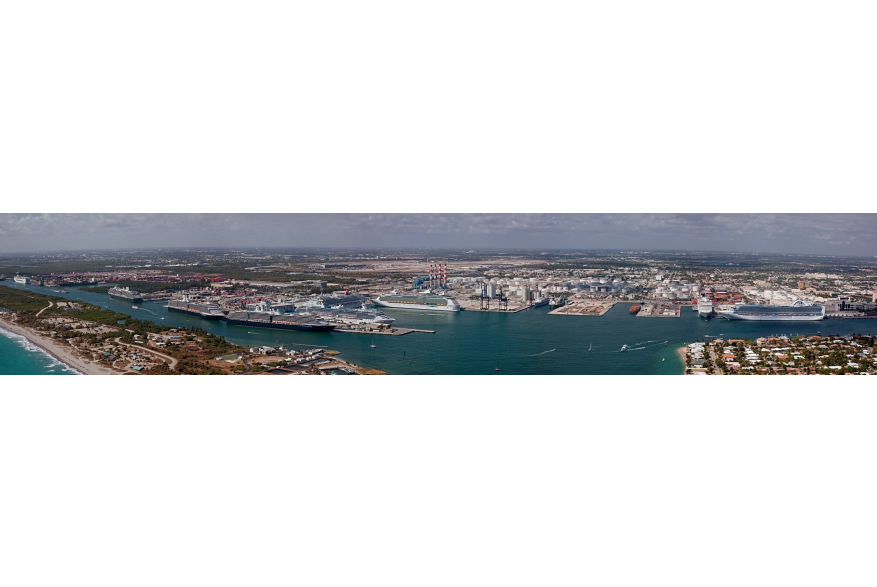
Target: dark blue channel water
525 343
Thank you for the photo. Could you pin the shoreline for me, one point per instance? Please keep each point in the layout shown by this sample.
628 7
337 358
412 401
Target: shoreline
56 351
683 352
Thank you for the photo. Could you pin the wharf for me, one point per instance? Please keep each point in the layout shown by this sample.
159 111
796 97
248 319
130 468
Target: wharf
389 332
155 297
651 310
584 308
830 317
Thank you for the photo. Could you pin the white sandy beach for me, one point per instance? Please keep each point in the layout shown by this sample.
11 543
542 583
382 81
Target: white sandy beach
59 351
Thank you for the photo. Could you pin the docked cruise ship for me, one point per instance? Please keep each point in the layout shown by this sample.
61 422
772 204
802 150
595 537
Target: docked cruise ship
21 279
264 317
345 314
705 307
125 293
186 306
417 302
797 311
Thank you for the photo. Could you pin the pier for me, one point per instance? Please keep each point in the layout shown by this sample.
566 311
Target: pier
658 310
389 332
584 308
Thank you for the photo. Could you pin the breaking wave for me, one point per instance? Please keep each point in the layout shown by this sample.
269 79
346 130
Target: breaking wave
31 347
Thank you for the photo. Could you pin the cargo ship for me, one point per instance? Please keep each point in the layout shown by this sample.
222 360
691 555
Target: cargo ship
186 306
417 302
264 317
21 279
125 293
635 308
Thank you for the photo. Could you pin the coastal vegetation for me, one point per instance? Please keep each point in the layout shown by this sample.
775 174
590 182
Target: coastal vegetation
90 327
147 286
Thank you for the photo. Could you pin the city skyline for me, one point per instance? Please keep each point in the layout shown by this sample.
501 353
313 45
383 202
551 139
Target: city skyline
809 234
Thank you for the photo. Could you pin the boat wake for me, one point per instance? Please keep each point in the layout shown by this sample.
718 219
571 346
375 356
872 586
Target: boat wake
647 344
542 353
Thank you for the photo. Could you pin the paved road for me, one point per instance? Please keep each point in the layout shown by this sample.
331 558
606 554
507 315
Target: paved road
173 361
246 364
713 357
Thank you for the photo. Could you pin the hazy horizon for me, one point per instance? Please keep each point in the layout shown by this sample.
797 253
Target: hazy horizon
849 235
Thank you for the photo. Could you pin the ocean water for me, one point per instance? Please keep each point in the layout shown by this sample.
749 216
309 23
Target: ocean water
18 356
526 343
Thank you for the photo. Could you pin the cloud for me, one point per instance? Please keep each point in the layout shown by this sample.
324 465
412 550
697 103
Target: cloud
844 234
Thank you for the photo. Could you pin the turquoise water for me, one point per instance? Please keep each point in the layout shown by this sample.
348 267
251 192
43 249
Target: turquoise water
526 343
18 356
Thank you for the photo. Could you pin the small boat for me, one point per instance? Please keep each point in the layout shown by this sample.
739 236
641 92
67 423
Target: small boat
497 369
662 360
373 346
624 347
591 347
665 342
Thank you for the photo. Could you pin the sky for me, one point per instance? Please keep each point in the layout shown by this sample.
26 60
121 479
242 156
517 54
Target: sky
833 234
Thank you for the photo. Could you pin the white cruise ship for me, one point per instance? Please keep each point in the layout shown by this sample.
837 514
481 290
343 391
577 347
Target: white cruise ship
21 279
417 302
797 311
343 313
704 307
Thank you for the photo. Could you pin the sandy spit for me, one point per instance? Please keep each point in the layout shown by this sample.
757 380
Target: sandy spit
58 350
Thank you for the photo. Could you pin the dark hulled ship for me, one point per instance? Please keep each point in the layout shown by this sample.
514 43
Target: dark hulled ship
200 310
263 317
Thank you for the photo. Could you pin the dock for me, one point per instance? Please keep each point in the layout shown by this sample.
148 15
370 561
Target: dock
584 308
388 332
658 310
